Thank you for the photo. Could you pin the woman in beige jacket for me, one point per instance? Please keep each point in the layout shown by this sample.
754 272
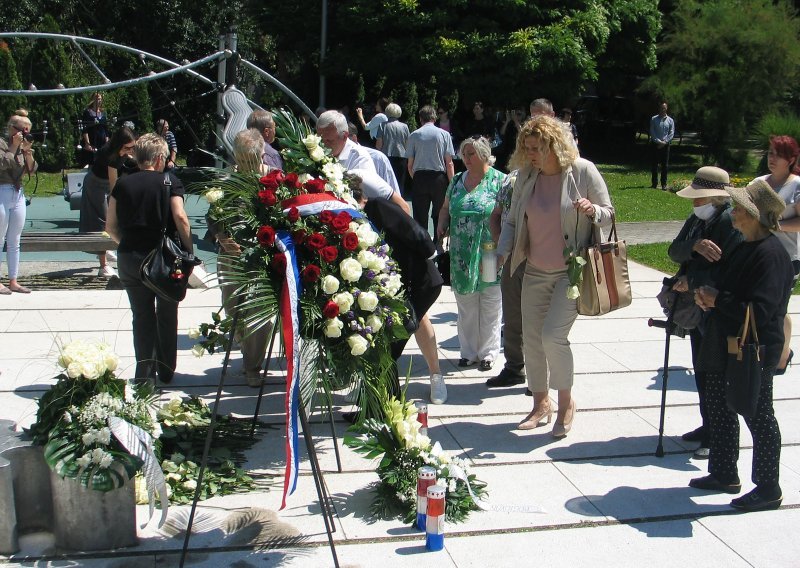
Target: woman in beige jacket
558 200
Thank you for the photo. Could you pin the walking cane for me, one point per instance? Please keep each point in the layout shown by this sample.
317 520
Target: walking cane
669 327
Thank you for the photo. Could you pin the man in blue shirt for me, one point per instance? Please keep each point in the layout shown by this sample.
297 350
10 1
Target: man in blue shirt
662 130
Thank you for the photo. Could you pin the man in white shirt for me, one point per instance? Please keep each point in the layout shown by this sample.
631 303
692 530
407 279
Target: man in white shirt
332 128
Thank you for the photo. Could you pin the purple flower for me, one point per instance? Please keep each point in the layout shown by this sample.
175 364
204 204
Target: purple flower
350 315
389 321
370 274
356 293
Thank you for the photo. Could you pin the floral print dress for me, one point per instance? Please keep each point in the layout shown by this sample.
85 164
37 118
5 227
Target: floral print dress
469 227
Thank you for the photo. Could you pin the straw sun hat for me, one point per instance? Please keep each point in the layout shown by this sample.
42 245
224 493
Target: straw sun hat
760 201
708 182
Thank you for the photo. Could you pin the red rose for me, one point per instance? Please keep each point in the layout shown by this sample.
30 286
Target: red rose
293 214
345 216
350 241
315 185
272 180
266 236
326 217
340 225
299 236
316 241
292 181
310 273
329 253
278 263
331 310
268 197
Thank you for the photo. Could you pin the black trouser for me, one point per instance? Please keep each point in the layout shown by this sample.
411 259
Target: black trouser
660 159
400 169
429 190
695 339
155 322
725 435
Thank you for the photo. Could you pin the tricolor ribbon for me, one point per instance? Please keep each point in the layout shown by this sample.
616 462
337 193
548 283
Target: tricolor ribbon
315 203
290 327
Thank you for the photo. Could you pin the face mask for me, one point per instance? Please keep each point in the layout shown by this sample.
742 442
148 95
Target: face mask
705 212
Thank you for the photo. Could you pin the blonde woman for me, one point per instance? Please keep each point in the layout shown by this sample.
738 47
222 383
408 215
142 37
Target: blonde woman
16 160
558 200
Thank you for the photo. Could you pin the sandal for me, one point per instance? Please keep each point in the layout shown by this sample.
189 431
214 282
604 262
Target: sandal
20 289
4 291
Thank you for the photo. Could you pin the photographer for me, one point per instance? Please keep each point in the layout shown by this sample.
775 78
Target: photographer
701 247
16 159
97 187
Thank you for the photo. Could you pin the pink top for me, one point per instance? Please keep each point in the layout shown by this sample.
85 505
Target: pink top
546 247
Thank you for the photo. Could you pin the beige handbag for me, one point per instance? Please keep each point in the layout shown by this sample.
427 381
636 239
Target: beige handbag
605 285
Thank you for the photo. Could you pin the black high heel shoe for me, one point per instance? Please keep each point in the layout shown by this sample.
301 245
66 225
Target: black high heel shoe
788 364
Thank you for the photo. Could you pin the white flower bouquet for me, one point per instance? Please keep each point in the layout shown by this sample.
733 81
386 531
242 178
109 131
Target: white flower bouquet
73 419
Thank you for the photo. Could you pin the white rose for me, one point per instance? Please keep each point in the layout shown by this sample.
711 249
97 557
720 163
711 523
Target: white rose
368 301
344 300
111 362
317 154
366 236
333 328
330 284
214 194
358 345
350 269
193 333
366 258
573 293
311 141
89 370
190 484
375 323
74 369
198 350
377 263
393 285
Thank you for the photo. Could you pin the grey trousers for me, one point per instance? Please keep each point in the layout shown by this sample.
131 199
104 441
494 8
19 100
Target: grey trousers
511 287
547 318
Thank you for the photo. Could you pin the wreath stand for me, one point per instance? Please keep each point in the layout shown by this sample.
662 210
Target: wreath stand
322 492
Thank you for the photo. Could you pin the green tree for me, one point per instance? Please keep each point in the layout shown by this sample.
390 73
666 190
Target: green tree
10 81
726 64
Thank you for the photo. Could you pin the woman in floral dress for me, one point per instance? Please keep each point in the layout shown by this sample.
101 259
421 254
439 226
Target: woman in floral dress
465 214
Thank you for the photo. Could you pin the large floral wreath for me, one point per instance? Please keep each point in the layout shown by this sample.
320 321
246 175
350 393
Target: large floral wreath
305 245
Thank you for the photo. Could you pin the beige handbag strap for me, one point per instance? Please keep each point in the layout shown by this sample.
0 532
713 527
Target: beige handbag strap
749 325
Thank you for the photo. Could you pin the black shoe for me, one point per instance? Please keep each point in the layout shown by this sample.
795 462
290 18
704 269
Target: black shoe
710 483
506 378
486 365
695 435
528 392
754 501
663 188
466 363
653 186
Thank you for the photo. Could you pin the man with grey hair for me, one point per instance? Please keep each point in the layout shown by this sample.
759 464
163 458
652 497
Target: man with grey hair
430 165
262 121
332 128
248 151
391 140
542 107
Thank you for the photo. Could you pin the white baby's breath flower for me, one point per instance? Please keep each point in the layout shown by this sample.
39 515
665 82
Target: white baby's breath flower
88 438
106 461
67 417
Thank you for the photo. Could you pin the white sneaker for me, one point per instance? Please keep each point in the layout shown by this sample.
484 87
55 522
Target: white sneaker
438 389
107 272
111 255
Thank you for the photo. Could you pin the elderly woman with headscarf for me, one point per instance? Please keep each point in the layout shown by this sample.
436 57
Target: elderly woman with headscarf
759 273
701 248
558 201
468 205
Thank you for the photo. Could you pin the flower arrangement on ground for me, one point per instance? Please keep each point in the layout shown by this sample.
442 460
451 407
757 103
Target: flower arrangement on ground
575 263
184 425
76 418
403 451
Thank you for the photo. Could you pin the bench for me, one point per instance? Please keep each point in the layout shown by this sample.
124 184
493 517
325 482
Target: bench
64 242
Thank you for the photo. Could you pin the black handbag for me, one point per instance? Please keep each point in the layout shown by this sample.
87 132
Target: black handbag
442 261
166 268
743 368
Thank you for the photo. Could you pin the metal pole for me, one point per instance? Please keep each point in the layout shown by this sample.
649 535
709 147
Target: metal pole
221 72
323 41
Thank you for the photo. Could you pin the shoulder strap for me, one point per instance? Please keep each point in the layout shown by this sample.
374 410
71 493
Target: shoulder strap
165 208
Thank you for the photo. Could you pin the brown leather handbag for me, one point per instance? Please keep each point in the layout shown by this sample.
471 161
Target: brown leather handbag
605 285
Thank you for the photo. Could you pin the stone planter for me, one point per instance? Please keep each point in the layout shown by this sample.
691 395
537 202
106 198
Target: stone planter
84 519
